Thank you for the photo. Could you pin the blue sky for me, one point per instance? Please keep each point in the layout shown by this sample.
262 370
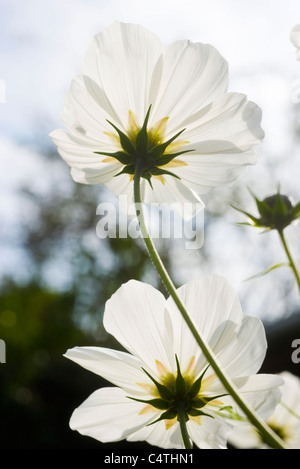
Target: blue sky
42 44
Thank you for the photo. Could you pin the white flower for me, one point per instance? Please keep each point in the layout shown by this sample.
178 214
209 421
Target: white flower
285 420
162 351
196 134
295 39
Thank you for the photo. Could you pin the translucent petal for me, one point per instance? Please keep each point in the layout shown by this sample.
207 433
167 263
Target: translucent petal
214 307
192 75
108 415
121 369
157 435
119 63
211 434
134 315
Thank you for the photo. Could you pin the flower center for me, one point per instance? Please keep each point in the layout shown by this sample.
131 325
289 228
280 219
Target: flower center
178 393
145 150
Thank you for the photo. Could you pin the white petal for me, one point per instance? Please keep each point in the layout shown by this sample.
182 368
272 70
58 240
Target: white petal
192 76
262 392
245 437
174 193
121 369
134 315
119 63
211 434
245 353
222 137
157 435
122 185
203 173
79 153
214 309
82 114
103 173
231 122
108 415
295 35
289 399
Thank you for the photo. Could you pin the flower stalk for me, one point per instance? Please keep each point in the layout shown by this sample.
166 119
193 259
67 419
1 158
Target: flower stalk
289 256
181 417
266 432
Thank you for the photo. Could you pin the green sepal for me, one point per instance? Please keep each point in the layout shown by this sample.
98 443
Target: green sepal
296 211
203 401
147 175
157 403
180 384
121 156
195 388
159 150
124 140
168 415
197 413
280 207
165 159
255 220
160 171
129 169
164 392
142 137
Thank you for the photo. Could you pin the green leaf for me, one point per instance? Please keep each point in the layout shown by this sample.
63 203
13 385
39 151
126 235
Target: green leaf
265 272
231 413
264 209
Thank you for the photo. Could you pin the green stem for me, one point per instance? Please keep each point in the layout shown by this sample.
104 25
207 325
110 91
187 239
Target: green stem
289 256
182 423
267 433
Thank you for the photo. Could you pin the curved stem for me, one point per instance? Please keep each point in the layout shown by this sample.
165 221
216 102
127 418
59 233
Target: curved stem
267 433
182 423
289 256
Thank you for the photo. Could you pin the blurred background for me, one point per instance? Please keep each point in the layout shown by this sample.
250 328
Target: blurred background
55 272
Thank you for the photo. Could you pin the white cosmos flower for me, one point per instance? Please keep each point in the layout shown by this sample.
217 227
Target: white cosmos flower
153 331
295 39
285 420
180 92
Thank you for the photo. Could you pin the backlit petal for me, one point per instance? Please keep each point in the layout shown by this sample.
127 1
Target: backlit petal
134 315
122 369
108 415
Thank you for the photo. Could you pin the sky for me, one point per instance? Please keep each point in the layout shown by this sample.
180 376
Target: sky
42 44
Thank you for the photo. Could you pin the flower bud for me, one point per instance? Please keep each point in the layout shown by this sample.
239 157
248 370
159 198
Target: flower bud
276 212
